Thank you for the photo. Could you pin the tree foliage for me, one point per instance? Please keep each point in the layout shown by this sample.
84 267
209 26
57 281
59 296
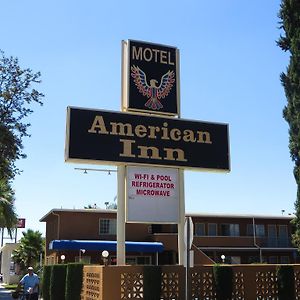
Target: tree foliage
8 217
290 41
16 95
31 246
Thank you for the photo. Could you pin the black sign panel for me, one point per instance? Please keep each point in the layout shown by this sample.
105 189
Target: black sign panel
152 77
105 137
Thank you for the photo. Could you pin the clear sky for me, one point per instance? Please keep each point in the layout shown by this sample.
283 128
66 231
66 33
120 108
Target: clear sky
230 67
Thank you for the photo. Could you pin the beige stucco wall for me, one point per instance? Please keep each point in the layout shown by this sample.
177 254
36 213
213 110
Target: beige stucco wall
8 276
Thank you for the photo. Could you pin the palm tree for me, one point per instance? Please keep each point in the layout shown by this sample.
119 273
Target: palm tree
31 246
8 217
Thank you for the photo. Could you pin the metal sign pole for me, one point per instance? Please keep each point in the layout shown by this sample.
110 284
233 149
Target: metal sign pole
187 256
181 245
121 217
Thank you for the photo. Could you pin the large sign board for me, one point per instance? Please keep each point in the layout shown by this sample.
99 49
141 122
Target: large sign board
106 137
150 77
152 195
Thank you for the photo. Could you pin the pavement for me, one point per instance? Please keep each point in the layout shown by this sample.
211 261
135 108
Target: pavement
5 294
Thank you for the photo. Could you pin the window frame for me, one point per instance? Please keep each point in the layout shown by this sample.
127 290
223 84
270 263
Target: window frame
216 229
111 226
196 231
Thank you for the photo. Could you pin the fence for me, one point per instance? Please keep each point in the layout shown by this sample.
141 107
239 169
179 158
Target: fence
250 282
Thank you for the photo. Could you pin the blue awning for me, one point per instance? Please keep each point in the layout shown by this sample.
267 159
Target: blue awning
97 245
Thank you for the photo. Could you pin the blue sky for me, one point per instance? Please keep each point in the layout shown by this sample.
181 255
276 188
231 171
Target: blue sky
230 67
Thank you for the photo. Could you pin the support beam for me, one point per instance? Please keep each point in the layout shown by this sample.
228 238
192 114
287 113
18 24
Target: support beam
181 245
121 217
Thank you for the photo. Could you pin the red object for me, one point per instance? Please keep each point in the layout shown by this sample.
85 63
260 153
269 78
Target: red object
21 223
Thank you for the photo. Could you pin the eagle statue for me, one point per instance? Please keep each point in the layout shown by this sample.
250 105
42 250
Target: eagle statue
152 91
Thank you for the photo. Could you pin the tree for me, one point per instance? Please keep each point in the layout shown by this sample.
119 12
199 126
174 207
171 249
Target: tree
16 95
8 217
31 246
290 23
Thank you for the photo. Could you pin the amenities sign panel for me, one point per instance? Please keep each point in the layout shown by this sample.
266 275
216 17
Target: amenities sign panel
152 195
97 136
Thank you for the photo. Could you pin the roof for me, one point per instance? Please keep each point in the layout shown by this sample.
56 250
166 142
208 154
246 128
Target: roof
241 216
97 245
200 215
85 210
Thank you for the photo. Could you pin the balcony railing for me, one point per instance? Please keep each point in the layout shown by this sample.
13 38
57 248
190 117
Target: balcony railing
169 240
275 242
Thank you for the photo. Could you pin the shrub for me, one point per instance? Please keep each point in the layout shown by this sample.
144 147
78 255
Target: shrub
73 281
223 281
286 283
58 282
152 283
46 282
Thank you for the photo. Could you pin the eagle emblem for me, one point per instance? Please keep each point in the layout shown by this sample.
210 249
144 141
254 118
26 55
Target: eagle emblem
152 91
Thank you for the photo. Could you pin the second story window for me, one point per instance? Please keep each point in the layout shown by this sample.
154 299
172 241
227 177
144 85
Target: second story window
260 230
212 229
230 229
199 229
107 226
250 229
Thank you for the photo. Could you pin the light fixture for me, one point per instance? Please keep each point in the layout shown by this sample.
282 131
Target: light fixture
223 258
105 255
62 257
85 170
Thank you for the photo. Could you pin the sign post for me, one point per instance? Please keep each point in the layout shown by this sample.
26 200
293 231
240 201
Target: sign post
188 234
121 217
149 134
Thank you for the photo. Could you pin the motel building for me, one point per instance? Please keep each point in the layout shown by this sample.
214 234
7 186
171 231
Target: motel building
74 235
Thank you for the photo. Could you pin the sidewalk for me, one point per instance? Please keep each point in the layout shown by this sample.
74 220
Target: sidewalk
5 294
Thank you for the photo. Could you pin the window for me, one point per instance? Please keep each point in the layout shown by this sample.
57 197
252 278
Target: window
143 260
272 232
108 226
272 235
130 260
199 229
283 240
283 232
230 229
253 259
249 229
83 259
235 260
212 229
260 230
273 260
284 259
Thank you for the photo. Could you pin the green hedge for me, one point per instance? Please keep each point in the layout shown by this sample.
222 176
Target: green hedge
286 282
152 283
223 277
58 282
47 270
73 281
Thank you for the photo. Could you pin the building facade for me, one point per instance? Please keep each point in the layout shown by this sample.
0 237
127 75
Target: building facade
234 239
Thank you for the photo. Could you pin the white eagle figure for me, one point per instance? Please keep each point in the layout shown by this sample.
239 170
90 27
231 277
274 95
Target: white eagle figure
153 92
